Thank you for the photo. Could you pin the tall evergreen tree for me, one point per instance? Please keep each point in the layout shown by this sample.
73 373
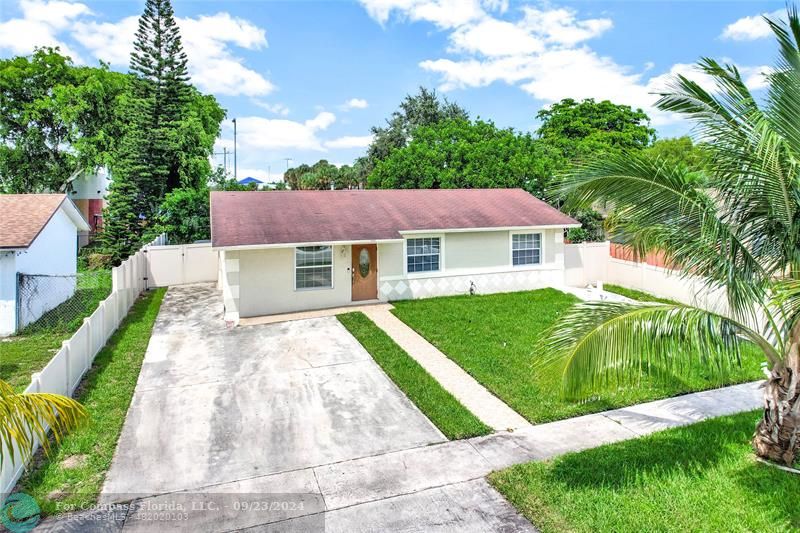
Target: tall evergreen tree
162 93
152 157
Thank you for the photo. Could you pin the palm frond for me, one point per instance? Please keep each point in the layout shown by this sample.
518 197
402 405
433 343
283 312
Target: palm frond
658 207
25 419
605 345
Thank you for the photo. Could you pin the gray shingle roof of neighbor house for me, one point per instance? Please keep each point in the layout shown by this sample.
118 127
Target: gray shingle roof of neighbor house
255 218
24 216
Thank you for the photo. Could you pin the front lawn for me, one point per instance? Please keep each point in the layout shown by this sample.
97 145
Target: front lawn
496 338
701 477
633 294
72 477
441 407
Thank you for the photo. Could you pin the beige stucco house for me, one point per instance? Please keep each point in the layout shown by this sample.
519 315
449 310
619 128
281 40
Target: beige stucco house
283 251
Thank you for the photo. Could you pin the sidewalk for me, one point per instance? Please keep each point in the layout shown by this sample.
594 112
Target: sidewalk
429 488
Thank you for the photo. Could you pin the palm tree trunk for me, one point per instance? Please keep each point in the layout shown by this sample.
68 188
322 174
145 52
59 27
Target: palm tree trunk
777 436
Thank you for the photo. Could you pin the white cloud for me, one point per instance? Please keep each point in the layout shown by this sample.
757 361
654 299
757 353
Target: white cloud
277 108
111 42
749 28
545 53
265 134
355 103
40 25
492 37
561 26
55 13
349 141
267 176
209 42
445 14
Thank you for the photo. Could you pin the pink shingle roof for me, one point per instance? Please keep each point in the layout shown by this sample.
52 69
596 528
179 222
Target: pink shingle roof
288 217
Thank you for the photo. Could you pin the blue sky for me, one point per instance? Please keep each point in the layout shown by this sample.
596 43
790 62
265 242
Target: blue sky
306 80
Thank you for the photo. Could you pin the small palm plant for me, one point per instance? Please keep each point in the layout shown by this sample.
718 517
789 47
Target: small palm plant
26 417
740 231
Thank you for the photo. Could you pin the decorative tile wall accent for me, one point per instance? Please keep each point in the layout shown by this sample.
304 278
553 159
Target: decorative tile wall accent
405 289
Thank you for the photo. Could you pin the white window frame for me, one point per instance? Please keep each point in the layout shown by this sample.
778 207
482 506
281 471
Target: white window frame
294 270
511 248
407 238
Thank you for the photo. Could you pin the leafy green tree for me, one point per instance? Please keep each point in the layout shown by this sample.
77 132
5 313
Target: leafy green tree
591 229
684 152
425 108
184 215
292 175
55 119
464 154
586 129
741 234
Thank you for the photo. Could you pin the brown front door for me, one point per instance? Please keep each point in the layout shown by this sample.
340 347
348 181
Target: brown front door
365 272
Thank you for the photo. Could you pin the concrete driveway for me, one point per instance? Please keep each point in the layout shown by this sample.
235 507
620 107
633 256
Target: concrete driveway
215 405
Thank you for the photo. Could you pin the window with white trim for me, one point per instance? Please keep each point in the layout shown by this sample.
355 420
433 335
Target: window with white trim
313 267
526 249
422 254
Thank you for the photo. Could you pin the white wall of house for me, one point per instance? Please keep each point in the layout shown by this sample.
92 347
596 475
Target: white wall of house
52 253
91 185
480 260
267 284
258 282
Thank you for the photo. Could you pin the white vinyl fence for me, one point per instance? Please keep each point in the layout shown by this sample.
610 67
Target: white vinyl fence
64 371
180 264
587 263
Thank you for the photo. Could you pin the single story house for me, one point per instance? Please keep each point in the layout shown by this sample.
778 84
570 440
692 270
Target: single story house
38 236
283 251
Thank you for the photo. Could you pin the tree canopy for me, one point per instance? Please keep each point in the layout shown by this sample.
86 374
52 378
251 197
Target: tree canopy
469 154
581 130
425 108
325 175
56 119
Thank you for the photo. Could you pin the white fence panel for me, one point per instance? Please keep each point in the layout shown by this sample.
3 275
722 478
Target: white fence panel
181 264
585 263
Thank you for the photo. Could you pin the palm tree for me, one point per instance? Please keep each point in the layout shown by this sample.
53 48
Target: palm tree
26 417
740 232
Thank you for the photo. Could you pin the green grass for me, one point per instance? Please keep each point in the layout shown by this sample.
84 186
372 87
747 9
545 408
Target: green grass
633 294
496 338
701 477
441 407
106 393
26 353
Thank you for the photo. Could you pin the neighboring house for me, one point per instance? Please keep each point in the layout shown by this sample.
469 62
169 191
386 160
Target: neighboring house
284 251
250 180
38 235
88 190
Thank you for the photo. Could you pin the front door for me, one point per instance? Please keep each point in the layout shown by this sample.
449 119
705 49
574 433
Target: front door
365 272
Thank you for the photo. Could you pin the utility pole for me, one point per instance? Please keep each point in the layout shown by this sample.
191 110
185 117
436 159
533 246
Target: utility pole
225 159
287 162
235 174
269 168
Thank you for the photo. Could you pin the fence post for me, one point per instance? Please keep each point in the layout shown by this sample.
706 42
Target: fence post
67 357
36 382
87 360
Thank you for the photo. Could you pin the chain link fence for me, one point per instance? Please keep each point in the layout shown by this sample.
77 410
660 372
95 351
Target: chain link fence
59 303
